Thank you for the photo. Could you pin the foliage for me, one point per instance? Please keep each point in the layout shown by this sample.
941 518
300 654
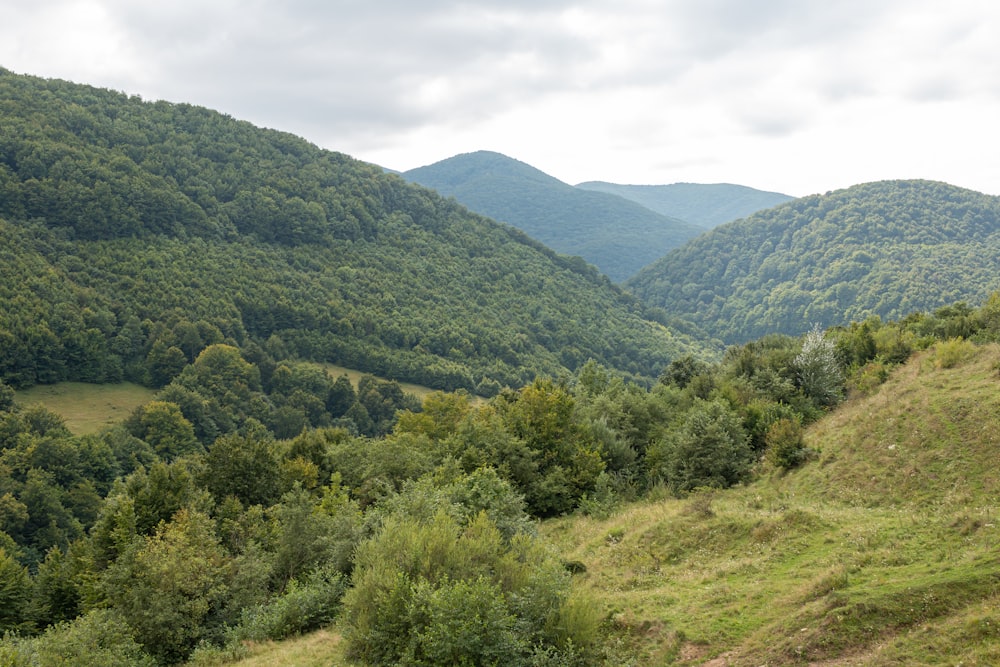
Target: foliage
431 592
818 370
885 249
612 233
97 639
159 230
303 606
711 449
171 587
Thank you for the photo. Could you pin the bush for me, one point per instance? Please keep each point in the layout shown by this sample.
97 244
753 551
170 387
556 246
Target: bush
97 639
785 448
305 606
952 352
431 592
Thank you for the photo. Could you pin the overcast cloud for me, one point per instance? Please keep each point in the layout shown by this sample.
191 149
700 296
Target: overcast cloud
797 96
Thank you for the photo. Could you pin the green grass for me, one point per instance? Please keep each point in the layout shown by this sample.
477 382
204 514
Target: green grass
87 408
880 551
417 390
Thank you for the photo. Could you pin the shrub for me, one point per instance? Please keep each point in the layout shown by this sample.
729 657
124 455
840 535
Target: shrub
305 606
785 448
952 352
97 639
431 592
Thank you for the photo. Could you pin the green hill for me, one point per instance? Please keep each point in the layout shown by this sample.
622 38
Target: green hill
130 227
706 205
879 551
887 249
615 235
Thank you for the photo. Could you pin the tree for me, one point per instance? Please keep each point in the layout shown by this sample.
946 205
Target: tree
710 449
15 591
818 373
163 426
172 588
244 466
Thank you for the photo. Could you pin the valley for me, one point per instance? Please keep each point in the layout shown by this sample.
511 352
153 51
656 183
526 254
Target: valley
263 403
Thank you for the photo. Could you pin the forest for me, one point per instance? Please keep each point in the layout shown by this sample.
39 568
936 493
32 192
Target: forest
193 527
887 249
258 497
157 229
613 233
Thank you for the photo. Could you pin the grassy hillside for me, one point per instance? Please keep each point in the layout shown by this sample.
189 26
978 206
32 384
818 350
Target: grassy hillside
88 408
888 249
881 550
703 204
614 234
126 223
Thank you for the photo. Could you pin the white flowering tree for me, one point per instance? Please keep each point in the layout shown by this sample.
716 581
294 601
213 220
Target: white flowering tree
819 375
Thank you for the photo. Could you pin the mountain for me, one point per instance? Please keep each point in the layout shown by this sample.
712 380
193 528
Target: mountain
888 249
615 235
706 205
130 228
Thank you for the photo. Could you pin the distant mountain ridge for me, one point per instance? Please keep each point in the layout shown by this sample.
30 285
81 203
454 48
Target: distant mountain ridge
703 204
614 234
888 248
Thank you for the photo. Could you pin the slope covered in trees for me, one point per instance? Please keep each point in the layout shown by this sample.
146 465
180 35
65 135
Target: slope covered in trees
885 249
615 235
135 234
704 204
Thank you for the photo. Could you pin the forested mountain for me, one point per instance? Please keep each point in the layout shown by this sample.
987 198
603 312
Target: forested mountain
614 234
887 249
130 228
703 204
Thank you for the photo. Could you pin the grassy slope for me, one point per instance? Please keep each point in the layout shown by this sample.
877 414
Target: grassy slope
880 551
87 408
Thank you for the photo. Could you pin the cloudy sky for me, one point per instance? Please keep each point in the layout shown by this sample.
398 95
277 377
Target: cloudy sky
795 96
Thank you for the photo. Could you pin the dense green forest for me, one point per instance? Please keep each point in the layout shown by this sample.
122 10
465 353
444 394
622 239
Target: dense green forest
614 234
257 496
135 234
156 541
885 249
703 204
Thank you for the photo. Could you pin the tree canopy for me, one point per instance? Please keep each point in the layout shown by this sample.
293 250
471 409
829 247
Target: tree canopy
885 249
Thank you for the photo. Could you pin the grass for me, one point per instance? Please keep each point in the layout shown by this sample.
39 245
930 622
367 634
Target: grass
417 390
87 408
880 552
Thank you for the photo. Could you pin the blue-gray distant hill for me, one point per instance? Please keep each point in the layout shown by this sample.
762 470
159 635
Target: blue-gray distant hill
704 204
614 234
889 249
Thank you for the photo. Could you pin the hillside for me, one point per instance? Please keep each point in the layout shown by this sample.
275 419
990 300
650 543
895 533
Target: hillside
879 551
615 235
128 224
703 204
887 249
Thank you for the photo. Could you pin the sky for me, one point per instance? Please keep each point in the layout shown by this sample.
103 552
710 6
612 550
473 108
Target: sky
792 96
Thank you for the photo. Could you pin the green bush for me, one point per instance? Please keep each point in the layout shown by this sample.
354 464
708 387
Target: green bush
952 352
432 592
304 606
785 448
97 639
